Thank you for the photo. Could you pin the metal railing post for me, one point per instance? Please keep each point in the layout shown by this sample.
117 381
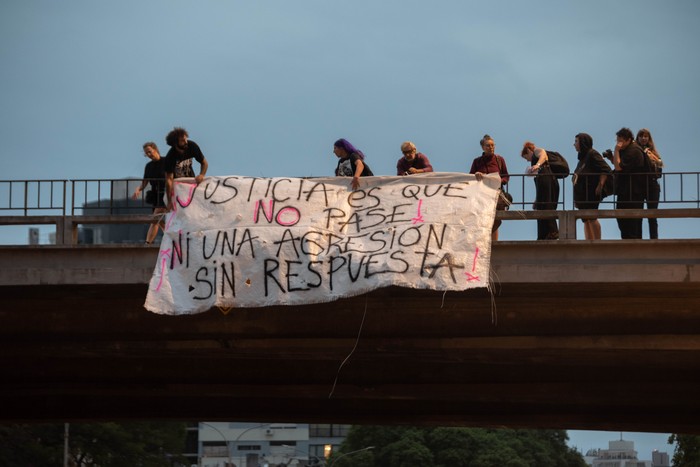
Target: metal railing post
567 225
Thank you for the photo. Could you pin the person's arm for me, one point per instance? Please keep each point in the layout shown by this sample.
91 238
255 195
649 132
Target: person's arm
601 184
475 171
169 189
502 170
655 157
542 158
204 165
401 167
144 182
422 160
616 158
139 189
359 167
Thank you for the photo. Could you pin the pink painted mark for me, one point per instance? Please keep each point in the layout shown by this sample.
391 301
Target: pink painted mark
170 216
188 200
164 264
267 214
419 216
470 277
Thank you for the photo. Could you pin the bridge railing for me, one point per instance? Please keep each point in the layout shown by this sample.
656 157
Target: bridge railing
69 204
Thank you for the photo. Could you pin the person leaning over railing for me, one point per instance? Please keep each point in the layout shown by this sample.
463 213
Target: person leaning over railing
154 172
412 162
589 181
546 189
178 161
645 140
490 162
351 162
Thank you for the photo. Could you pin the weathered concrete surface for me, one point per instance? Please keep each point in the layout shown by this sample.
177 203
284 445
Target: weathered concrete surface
589 335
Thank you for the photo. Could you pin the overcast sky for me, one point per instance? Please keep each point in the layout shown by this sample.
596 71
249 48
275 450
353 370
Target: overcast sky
266 87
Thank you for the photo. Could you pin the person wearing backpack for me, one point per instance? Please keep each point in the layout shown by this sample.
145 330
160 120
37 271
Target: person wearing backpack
590 178
645 140
546 188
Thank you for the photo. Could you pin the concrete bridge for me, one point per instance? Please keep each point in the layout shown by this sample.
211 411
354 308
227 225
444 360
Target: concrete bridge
575 334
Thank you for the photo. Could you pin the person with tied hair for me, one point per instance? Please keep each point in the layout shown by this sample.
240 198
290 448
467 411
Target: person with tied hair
490 162
546 189
646 142
589 179
412 162
153 173
630 169
351 162
178 161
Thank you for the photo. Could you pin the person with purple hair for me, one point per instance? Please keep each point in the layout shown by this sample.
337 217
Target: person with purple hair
351 162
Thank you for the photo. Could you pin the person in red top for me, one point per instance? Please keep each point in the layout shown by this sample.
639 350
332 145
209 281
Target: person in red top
490 162
412 162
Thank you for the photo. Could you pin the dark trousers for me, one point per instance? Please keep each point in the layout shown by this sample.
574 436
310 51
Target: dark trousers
653 196
630 228
546 198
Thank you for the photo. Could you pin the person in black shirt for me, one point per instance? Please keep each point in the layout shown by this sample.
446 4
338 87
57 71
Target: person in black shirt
546 188
589 179
153 173
178 161
630 170
646 142
350 162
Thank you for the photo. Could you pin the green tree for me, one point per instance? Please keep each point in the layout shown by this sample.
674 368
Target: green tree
458 447
687 451
141 444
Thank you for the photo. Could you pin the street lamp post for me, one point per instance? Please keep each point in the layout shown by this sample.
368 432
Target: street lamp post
349 453
240 435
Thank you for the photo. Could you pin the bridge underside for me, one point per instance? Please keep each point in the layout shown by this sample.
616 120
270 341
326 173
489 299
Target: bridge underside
601 354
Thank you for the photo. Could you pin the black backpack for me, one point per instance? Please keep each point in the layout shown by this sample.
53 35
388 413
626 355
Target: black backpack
558 165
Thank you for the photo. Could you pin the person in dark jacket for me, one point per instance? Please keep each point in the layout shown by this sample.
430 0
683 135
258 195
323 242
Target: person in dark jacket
630 179
646 142
589 180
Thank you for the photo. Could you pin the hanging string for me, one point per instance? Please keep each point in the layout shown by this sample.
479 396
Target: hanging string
493 280
357 341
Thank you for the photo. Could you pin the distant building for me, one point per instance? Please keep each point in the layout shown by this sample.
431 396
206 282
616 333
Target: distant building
119 203
224 444
660 459
619 454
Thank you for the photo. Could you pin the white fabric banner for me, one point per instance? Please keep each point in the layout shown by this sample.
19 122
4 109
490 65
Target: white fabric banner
251 242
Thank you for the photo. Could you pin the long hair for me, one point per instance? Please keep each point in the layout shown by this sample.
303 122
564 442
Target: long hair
175 135
651 145
585 144
344 144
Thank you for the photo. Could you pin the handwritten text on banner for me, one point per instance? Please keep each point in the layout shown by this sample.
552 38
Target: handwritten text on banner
252 242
